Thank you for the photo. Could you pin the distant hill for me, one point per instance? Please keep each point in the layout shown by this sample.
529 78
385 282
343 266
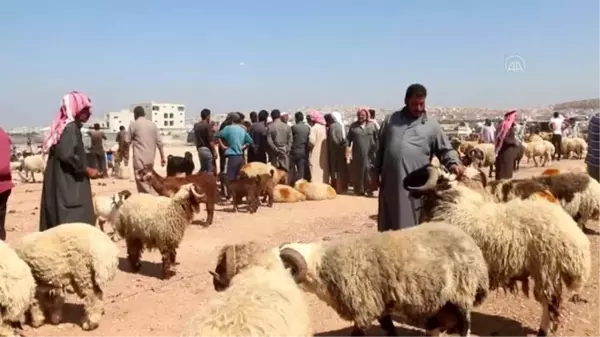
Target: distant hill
582 104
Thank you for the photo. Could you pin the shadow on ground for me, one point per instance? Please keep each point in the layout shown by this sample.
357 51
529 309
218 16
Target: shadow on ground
482 325
150 269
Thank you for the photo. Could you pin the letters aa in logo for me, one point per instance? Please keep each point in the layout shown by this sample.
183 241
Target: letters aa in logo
514 64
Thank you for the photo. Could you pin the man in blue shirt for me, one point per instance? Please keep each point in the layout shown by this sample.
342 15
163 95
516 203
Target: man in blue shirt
592 159
234 139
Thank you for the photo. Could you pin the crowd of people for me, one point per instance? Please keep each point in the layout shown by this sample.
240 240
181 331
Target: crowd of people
316 147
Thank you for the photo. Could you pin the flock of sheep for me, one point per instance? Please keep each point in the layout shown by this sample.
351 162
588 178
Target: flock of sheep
475 236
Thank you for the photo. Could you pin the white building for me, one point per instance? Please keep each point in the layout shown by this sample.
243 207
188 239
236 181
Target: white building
114 119
166 116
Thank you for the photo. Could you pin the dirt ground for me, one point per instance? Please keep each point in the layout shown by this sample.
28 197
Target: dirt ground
143 304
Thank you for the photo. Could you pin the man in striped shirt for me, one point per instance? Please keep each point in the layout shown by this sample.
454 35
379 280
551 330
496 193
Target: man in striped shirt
592 160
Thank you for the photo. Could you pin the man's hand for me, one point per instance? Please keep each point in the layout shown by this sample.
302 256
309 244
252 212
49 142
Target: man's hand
91 172
457 169
162 162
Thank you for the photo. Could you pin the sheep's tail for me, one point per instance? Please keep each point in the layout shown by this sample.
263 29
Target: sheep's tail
482 291
576 269
105 260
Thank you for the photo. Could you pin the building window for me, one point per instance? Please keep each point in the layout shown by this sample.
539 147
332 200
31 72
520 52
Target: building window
115 117
166 115
166 123
155 108
156 114
171 123
180 108
170 115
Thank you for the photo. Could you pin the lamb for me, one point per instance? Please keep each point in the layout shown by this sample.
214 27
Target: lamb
539 149
262 298
286 194
575 145
70 257
427 272
32 164
578 193
245 187
520 239
177 164
280 174
481 155
266 187
315 190
170 185
17 289
156 222
106 208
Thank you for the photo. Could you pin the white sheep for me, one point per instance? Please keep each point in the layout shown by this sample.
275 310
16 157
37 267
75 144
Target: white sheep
17 289
32 164
574 145
482 155
315 190
432 271
106 207
256 168
151 222
286 194
261 297
70 257
520 239
538 149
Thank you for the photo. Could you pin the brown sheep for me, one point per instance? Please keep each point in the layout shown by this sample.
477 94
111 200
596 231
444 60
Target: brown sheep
168 186
245 187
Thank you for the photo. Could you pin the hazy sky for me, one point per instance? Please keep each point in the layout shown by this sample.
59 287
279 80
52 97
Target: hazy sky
253 54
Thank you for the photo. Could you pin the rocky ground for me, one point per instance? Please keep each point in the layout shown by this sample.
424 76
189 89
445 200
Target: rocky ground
143 304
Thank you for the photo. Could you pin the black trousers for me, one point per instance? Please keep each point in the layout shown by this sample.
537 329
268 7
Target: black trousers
557 141
505 162
100 159
298 168
3 201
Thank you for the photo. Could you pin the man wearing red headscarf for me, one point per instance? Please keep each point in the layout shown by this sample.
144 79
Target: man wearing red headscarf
507 146
6 183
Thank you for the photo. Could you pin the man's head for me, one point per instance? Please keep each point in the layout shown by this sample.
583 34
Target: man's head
415 99
121 128
488 122
299 117
285 117
556 114
242 116
205 115
263 115
362 115
96 126
138 112
329 119
253 117
237 119
275 114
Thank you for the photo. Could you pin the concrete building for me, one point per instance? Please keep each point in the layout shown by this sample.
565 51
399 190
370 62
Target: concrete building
167 116
114 119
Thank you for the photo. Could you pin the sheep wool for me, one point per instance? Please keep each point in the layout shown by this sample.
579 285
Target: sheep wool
284 193
17 289
412 273
74 256
256 168
262 299
315 190
33 164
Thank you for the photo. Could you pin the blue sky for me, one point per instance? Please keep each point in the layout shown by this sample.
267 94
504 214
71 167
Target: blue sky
295 53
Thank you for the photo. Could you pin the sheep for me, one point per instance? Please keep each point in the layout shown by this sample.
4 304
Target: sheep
315 190
481 155
575 145
32 164
539 149
180 165
151 222
245 187
266 187
261 297
286 194
70 257
168 186
106 208
418 273
534 138
280 174
520 239
17 289
578 193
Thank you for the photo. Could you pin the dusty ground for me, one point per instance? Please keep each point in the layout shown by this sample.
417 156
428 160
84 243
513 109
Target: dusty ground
142 304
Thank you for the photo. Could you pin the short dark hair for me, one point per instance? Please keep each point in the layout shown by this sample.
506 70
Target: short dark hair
372 113
204 114
138 112
299 116
121 127
329 118
415 90
263 115
275 113
253 117
96 126
237 118
556 114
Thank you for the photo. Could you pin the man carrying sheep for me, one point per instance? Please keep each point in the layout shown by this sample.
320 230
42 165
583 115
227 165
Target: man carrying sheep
407 140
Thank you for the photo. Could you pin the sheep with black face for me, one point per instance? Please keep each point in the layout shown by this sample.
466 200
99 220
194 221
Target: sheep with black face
432 274
520 239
